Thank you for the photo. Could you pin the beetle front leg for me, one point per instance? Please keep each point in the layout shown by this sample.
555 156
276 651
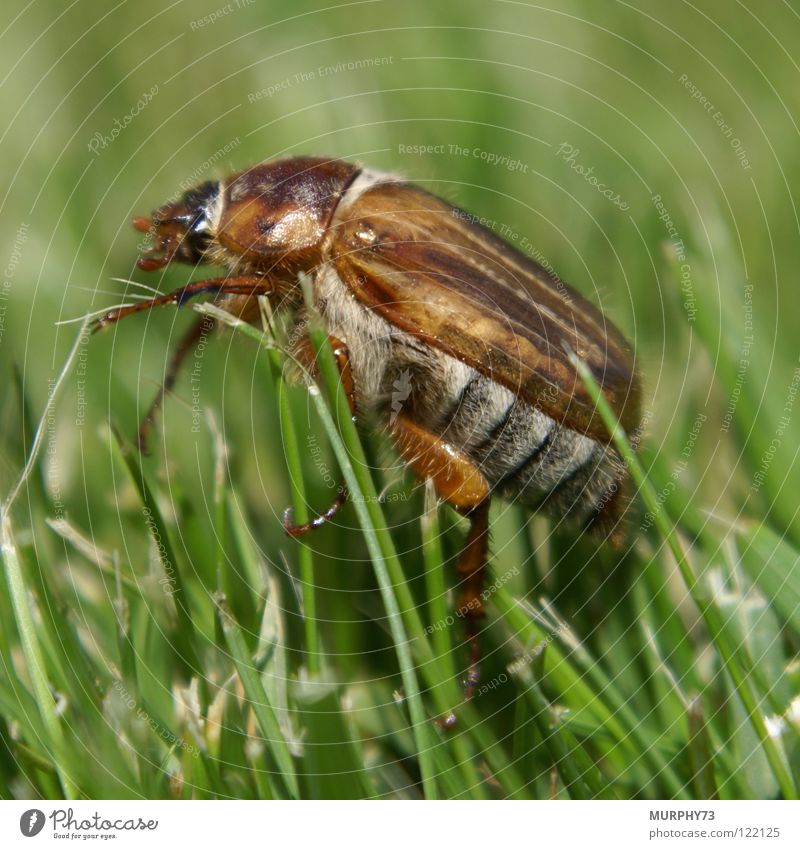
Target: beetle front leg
201 328
244 285
250 285
305 353
461 484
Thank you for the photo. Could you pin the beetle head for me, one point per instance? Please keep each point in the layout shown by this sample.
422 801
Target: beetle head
180 230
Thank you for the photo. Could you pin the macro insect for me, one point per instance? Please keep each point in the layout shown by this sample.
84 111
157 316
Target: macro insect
412 288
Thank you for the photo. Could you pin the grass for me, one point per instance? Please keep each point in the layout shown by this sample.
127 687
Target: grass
161 637
255 710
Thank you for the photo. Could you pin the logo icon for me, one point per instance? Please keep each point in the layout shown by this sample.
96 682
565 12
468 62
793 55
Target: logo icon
402 390
31 822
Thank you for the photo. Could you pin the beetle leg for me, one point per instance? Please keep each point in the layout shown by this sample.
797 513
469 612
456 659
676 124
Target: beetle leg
461 484
343 362
471 571
246 285
295 530
305 353
202 327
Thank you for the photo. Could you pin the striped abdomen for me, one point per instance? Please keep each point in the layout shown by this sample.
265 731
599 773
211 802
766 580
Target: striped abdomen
523 453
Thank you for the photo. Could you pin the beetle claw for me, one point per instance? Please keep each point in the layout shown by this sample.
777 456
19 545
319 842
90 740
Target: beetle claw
446 722
294 530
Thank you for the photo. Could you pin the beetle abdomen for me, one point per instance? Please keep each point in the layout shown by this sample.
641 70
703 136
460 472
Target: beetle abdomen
523 453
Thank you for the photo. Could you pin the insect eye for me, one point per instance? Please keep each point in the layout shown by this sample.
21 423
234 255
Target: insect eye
195 205
201 240
201 196
199 225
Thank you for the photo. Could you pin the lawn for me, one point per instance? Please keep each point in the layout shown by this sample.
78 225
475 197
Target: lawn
160 635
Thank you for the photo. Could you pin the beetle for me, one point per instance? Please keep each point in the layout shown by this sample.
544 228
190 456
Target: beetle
413 289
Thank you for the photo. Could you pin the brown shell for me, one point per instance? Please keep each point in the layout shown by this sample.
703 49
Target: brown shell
429 269
279 211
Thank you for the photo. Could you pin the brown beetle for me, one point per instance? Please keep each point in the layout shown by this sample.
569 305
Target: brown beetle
412 289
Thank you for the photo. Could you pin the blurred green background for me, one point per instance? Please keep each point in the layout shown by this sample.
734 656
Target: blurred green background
646 151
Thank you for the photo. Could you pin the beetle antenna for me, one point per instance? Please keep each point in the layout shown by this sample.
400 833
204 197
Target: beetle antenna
195 334
92 315
144 286
106 292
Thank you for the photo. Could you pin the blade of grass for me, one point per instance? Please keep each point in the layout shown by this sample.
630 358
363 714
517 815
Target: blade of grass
561 758
388 567
365 500
435 591
34 658
259 701
420 722
573 673
313 646
333 761
244 547
185 635
701 758
240 595
16 583
774 565
735 662
294 464
364 494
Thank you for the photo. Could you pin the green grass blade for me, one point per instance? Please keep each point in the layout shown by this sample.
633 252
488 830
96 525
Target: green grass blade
186 635
773 563
16 584
333 761
733 658
259 702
